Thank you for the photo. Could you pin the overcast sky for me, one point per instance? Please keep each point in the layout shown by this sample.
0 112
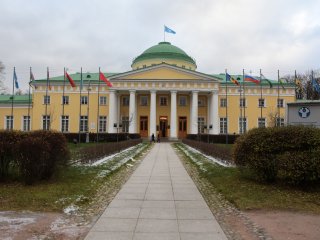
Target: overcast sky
218 34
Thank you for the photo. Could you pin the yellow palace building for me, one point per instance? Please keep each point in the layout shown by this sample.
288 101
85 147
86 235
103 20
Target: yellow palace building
162 94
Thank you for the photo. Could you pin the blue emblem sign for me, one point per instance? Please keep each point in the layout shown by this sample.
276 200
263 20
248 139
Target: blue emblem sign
304 112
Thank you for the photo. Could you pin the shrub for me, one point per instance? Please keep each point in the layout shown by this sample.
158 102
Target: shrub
287 153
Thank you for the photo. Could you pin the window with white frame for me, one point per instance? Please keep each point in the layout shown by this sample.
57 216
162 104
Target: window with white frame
261 102
163 100
223 102
201 124
46 122
83 123
280 103
102 123
103 100
201 101
125 100
64 123
280 122
242 125
65 100
26 123
182 100
242 102
144 100
261 122
9 122
46 99
125 124
84 100
223 125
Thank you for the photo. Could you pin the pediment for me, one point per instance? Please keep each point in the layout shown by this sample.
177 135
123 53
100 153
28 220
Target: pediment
163 72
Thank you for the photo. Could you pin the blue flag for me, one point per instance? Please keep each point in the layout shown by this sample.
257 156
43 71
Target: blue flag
15 79
168 30
316 85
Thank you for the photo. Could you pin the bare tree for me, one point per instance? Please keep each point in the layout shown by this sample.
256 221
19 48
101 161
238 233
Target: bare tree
3 88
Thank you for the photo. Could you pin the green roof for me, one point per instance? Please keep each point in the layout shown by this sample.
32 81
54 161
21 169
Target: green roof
22 99
164 50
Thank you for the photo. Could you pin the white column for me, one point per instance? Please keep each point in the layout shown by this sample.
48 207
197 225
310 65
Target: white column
214 112
194 113
132 112
173 116
153 112
112 111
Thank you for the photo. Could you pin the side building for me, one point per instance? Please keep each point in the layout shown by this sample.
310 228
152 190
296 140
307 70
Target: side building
162 94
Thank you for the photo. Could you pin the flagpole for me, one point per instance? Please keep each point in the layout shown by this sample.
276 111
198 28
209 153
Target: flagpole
80 106
98 112
226 106
29 96
260 95
14 72
63 90
46 108
164 34
244 97
88 108
240 105
278 99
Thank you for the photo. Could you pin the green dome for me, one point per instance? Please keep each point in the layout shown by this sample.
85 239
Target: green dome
164 51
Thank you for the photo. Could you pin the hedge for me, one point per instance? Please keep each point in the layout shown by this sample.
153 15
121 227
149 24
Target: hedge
209 138
103 137
290 154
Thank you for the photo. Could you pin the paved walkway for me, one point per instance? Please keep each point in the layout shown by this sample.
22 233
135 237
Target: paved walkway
159 201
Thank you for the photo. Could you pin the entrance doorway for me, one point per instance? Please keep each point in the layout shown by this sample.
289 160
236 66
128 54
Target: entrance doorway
143 126
182 127
163 126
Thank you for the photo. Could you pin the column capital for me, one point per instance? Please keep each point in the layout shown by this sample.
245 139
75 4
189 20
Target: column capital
112 90
132 91
173 91
153 91
195 91
215 91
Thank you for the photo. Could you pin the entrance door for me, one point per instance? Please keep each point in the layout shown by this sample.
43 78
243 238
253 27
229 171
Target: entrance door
163 126
182 127
144 126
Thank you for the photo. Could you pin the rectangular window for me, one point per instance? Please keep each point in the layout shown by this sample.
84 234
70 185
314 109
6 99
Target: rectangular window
201 102
46 122
144 100
242 125
102 123
280 122
103 100
65 100
201 124
26 123
261 102
84 100
125 100
223 125
182 100
125 124
223 102
83 123
9 122
242 102
64 123
46 99
261 122
280 103
163 101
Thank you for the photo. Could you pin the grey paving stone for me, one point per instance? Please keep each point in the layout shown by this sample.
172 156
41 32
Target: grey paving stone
109 236
158 204
114 225
157 225
117 203
202 236
158 213
156 236
191 204
199 226
194 213
121 213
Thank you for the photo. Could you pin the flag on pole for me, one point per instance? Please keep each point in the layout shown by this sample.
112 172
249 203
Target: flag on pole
15 79
315 85
281 82
48 79
70 80
248 78
31 76
168 30
229 78
267 80
103 78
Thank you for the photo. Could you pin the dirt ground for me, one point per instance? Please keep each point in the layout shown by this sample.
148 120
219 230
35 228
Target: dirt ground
250 225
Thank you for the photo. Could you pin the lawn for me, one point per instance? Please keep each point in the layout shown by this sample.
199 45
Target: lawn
246 193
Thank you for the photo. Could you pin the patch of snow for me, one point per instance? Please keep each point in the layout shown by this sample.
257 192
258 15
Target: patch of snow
71 209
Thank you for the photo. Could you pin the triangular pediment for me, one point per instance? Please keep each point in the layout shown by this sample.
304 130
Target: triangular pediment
163 72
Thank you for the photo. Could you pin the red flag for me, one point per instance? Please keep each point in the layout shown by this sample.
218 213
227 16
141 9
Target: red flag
70 80
103 78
